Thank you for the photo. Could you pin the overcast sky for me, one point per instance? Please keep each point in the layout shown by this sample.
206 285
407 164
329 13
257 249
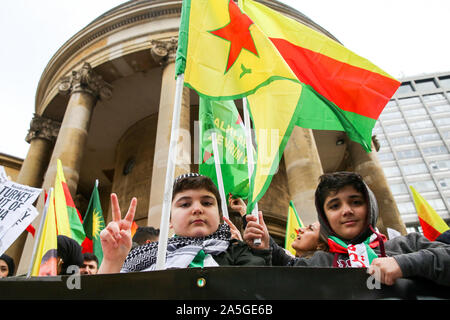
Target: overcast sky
403 37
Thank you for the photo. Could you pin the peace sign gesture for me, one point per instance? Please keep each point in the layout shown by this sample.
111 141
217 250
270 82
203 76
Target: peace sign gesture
116 237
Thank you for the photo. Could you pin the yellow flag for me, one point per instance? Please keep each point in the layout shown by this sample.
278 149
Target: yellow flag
45 263
293 224
223 54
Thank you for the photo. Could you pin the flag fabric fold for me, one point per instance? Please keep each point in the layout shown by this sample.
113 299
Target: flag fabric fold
93 224
293 223
432 224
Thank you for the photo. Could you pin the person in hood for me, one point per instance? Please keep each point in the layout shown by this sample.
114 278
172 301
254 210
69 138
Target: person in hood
348 211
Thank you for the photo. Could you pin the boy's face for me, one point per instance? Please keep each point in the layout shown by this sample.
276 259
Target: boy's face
346 212
194 213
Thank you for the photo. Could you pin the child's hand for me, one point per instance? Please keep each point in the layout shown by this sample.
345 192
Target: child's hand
387 268
255 230
235 234
237 205
116 237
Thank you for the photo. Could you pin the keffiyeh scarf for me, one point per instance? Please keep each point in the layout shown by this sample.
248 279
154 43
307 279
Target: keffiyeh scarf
180 251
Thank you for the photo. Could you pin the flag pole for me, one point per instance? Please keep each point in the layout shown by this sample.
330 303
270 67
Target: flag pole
250 161
171 159
38 235
219 174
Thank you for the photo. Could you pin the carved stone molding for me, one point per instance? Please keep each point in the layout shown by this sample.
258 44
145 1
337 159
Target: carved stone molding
164 51
44 128
86 80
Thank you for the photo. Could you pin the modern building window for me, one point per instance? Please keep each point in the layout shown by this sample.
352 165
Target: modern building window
433 97
439 108
391 171
391 115
431 150
440 165
397 127
415 112
405 88
408 101
408 154
424 186
425 85
406 207
442 121
437 204
415 168
427 137
391 104
421 124
445 183
445 82
398 188
386 156
402 140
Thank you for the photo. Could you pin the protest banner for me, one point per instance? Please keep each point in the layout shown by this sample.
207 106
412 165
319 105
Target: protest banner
17 228
15 199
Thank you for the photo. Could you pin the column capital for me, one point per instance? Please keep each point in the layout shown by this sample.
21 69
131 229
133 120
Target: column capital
164 51
86 80
44 128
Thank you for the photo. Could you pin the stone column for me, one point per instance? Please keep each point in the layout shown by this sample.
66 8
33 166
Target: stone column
41 137
368 166
164 53
85 88
303 169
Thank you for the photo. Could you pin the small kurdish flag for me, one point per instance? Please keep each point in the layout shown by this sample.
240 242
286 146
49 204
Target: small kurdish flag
293 224
94 223
432 224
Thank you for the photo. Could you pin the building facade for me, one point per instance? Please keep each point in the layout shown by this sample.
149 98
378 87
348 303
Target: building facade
414 135
104 107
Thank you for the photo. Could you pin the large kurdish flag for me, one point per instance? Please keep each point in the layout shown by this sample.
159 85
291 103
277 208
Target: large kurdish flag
353 88
224 56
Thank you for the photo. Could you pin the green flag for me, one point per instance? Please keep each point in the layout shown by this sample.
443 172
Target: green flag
223 117
94 223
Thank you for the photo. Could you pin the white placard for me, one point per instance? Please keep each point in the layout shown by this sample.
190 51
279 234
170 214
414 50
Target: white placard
14 200
17 228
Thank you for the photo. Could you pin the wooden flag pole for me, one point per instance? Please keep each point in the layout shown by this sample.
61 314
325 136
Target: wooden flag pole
219 174
250 161
38 235
171 159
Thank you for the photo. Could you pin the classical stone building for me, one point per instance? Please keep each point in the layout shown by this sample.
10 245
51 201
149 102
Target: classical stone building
104 108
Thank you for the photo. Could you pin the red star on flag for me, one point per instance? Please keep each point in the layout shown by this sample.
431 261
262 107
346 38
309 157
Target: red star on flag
237 32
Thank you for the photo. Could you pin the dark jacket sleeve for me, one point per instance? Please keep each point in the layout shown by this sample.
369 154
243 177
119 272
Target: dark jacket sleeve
279 255
419 257
240 254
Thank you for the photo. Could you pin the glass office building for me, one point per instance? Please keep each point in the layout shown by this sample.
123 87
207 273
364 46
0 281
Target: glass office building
414 135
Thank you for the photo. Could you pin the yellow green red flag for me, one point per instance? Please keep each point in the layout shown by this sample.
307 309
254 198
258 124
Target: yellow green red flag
69 222
432 224
353 90
292 225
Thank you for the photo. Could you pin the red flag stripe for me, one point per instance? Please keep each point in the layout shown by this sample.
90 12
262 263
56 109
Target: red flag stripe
339 82
428 231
